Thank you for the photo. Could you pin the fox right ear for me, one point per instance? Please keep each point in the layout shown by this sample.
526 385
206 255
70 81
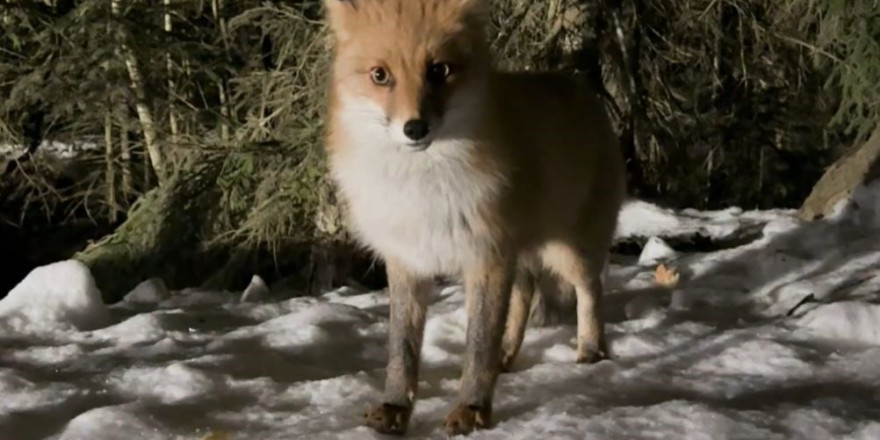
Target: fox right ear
477 7
338 12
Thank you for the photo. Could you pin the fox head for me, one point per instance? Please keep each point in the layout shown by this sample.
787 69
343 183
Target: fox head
409 71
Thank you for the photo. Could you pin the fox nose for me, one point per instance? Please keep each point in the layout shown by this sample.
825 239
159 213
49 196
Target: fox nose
416 129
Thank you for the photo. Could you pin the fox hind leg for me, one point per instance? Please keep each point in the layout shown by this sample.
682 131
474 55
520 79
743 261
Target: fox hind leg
583 270
518 316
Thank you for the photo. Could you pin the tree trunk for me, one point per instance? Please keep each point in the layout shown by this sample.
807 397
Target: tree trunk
623 49
108 160
841 179
125 156
145 116
169 66
225 113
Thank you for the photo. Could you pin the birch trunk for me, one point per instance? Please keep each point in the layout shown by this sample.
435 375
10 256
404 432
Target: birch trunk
108 160
225 113
145 115
169 66
125 156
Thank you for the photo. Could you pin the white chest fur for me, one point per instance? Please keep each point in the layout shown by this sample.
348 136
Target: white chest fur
418 207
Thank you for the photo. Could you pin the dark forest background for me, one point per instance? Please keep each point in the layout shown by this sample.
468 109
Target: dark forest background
181 139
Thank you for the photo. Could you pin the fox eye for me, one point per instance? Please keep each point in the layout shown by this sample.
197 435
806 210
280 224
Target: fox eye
380 76
438 72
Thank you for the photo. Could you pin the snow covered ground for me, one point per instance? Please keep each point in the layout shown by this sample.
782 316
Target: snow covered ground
776 339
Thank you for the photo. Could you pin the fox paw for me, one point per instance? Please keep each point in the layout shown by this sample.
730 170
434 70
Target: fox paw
386 418
591 356
464 419
506 363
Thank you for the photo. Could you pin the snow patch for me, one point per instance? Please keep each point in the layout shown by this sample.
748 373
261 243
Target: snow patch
55 149
642 219
20 394
861 209
854 321
756 357
50 356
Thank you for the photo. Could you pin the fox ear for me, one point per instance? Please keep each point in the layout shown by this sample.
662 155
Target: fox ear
478 9
338 13
470 4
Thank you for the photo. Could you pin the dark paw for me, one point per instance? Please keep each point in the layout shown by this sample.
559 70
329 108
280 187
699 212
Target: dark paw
388 419
465 419
507 358
591 356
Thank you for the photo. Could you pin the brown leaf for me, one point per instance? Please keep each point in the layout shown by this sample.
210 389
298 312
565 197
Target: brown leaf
666 276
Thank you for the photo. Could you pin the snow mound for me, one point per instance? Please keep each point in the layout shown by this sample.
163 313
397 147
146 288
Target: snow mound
137 330
854 321
176 383
151 291
112 423
61 296
256 291
656 250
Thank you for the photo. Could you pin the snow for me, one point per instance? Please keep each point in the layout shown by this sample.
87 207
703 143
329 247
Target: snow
778 338
643 219
151 291
52 148
59 295
257 290
176 383
846 320
656 250
115 422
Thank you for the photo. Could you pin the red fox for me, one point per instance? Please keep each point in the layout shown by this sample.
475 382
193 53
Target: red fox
448 166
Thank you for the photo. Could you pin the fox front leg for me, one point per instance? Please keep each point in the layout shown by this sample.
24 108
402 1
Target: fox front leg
409 296
488 298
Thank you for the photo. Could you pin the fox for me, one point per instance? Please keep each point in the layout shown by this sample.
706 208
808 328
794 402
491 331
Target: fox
448 166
